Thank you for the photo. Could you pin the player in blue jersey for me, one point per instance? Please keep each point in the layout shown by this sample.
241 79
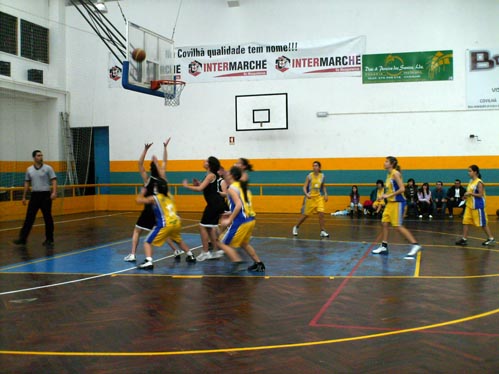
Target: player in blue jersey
394 210
168 223
475 213
240 223
146 220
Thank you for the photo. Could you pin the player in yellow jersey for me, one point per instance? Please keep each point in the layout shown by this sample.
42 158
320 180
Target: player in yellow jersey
167 226
394 210
146 220
475 214
315 198
240 223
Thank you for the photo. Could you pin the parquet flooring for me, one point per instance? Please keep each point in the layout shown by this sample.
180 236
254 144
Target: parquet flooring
323 306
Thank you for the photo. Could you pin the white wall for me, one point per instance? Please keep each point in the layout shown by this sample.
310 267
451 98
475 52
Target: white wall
427 118
29 112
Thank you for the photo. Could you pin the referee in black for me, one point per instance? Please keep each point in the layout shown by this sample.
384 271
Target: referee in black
43 183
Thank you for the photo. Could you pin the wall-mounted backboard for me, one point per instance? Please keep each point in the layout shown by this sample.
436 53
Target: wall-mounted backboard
262 112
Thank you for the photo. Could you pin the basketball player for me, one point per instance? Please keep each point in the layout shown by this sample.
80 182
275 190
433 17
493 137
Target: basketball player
214 209
168 223
394 209
315 192
147 220
475 214
245 166
240 223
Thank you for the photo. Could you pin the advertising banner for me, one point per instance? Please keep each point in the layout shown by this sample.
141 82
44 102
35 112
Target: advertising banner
407 67
279 60
482 78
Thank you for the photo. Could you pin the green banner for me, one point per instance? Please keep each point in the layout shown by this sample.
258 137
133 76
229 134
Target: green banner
407 67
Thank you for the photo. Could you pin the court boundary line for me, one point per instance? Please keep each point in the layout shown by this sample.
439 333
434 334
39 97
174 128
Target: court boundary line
68 221
330 277
255 348
343 284
83 279
353 327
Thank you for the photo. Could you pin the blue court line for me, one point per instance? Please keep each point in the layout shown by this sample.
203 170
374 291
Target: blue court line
282 257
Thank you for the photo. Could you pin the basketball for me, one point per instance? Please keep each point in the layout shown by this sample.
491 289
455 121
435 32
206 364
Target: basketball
138 54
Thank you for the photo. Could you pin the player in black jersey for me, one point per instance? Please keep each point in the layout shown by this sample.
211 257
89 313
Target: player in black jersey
215 207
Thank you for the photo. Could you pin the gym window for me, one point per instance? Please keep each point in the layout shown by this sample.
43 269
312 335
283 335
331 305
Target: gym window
34 42
8 33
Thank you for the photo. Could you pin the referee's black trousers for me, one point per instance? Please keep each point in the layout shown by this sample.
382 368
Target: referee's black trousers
39 200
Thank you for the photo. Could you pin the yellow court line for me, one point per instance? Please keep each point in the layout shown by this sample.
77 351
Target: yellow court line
257 348
187 276
418 264
331 277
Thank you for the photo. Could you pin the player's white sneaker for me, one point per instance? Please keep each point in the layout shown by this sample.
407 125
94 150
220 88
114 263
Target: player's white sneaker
146 265
130 258
295 230
216 254
177 254
380 250
413 252
324 234
204 256
489 241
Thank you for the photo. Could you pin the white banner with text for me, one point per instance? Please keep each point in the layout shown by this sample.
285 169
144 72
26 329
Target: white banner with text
281 60
482 79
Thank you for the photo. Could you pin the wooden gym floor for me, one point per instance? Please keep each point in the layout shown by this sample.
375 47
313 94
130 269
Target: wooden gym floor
322 306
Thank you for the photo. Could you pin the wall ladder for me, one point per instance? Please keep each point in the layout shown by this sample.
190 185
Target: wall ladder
67 137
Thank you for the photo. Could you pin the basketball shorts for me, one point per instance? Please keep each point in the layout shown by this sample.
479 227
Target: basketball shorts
211 215
238 234
158 235
313 205
394 213
146 220
476 217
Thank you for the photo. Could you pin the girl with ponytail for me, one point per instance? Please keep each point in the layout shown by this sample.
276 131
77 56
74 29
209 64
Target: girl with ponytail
475 213
394 210
240 223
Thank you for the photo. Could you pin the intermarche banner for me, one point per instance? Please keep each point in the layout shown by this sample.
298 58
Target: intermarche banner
482 78
279 60
407 67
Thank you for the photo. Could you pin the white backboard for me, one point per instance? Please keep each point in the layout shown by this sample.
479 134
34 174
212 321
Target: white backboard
262 112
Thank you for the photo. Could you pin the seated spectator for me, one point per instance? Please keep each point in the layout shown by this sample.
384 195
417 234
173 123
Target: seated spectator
424 201
455 196
411 195
355 205
378 202
439 198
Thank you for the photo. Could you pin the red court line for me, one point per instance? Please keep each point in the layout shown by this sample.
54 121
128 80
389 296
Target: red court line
343 284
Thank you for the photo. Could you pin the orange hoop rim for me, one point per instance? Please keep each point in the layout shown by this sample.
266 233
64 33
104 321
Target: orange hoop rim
155 85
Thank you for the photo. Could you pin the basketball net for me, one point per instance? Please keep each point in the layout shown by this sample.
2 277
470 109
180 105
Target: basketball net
172 89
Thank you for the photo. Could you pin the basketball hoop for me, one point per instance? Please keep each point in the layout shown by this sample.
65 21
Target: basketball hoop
172 89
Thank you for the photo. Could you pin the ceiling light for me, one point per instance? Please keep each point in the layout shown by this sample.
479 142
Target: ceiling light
101 7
